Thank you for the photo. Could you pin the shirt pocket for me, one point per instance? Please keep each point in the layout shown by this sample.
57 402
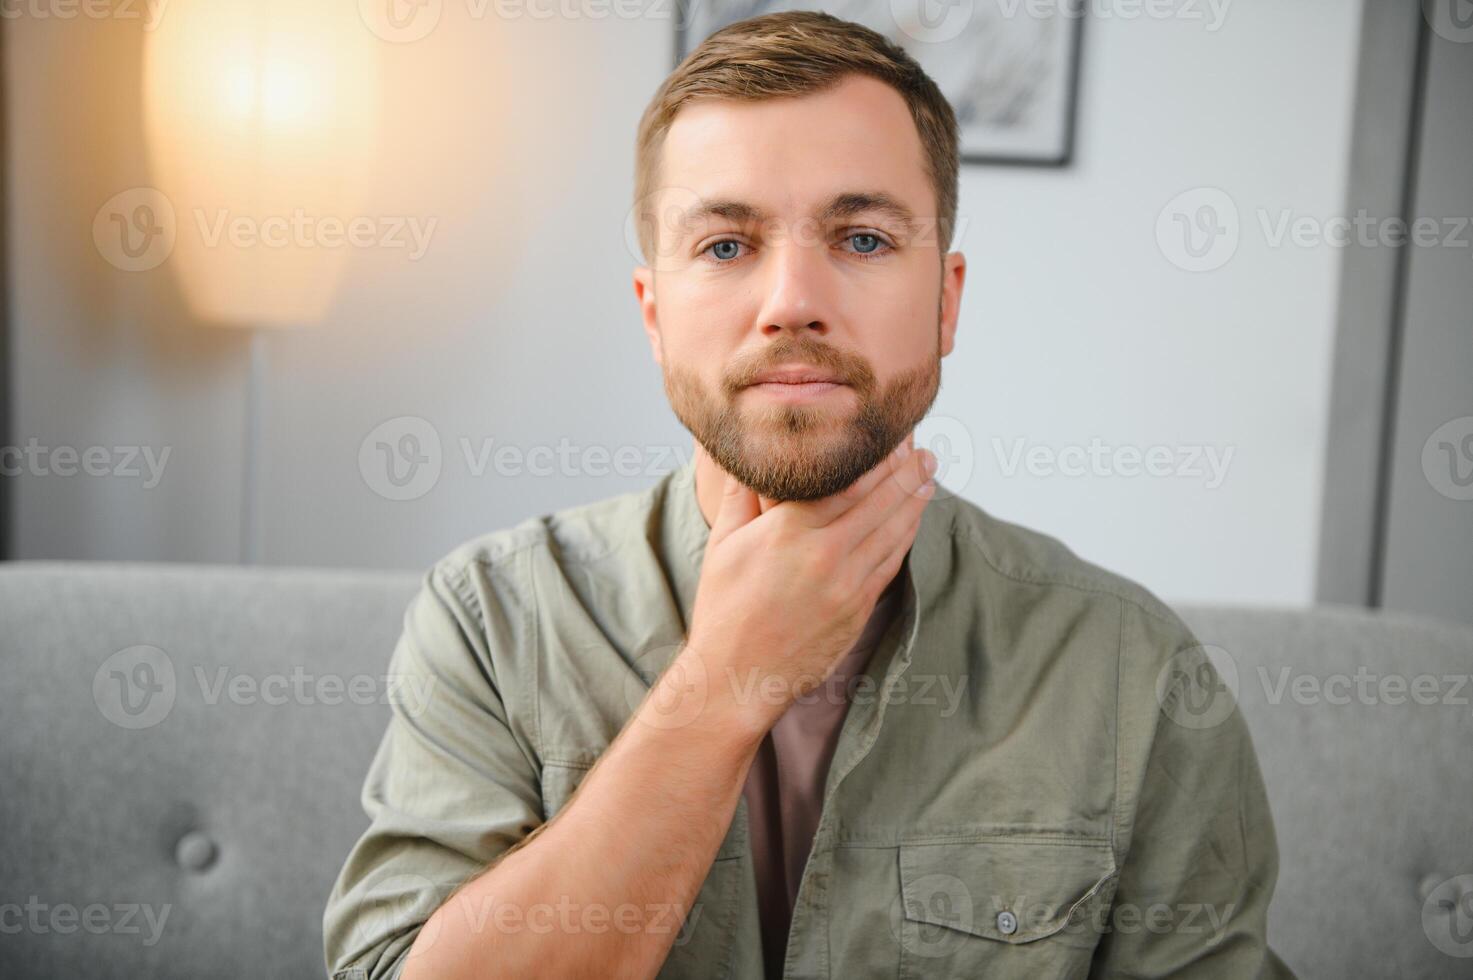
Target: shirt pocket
1002 907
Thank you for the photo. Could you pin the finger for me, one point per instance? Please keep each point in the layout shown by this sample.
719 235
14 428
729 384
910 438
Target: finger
879 555
866 484
859 521
738 505
884 573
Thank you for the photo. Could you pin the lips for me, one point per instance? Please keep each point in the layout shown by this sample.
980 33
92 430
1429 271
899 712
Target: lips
796 376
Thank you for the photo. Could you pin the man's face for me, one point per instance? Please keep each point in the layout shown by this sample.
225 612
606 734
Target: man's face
799 233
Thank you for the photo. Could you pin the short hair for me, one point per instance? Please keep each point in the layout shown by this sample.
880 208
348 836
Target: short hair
794 53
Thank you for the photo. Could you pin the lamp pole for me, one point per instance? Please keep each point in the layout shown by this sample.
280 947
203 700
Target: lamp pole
250 516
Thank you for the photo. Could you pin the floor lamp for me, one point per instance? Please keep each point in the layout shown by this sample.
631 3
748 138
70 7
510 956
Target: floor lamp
261 122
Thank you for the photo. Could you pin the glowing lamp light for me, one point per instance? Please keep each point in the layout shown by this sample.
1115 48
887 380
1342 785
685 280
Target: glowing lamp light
261 120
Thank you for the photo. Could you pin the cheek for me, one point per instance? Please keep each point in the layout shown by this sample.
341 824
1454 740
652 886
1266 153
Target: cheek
903 324
701 325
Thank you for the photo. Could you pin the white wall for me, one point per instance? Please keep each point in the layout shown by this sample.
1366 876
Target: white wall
1077 326
519 326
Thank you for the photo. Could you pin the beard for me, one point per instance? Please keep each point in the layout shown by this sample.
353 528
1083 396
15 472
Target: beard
803 451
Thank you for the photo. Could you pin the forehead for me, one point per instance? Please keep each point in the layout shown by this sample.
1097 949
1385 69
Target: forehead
790 153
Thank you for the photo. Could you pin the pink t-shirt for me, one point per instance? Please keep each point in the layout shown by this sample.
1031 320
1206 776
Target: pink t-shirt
784 787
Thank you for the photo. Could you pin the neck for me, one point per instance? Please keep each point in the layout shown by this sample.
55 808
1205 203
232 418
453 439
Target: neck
709 477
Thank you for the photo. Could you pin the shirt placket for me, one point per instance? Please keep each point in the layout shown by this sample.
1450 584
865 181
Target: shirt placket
808 949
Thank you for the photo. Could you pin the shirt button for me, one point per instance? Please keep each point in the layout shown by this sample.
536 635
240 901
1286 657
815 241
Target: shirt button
1007 923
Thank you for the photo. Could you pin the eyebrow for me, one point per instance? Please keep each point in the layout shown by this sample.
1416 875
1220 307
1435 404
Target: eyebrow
847 204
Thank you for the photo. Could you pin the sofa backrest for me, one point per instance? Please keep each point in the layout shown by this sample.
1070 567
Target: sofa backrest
182 750
1363 725
185 741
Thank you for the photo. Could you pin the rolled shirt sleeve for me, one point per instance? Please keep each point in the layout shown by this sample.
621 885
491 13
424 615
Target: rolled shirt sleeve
451 786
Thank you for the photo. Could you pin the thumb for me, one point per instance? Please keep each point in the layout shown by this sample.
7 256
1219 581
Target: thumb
738 506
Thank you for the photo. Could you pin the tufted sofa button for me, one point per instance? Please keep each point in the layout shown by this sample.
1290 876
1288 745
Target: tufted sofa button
195 851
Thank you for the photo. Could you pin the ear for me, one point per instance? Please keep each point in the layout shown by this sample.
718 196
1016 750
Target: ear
644 293
953 275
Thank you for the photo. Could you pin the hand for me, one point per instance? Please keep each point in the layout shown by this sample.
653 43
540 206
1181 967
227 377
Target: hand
787 587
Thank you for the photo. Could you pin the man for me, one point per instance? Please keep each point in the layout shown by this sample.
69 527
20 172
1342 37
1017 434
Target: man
822 720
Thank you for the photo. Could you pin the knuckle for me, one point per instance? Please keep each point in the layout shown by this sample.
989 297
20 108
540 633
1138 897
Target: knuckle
825 560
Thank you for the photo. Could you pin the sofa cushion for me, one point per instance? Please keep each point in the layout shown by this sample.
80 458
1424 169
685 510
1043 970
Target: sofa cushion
183 747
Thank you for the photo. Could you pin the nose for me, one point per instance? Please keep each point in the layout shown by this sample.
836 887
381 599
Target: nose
799 289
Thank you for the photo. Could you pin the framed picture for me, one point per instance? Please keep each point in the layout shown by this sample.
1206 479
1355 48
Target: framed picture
1009 68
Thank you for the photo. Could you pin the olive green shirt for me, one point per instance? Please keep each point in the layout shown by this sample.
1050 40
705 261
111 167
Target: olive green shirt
1038 775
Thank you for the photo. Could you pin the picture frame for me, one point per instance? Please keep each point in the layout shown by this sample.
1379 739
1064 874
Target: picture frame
1009 68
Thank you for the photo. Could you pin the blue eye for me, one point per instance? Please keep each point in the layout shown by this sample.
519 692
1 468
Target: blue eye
725 250
868 245
863 244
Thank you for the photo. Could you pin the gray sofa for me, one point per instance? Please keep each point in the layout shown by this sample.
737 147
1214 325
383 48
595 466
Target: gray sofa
182 749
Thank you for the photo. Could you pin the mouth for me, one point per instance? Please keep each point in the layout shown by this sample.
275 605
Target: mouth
796 390
796 374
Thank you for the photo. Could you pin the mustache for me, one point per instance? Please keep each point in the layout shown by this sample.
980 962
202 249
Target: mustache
821 357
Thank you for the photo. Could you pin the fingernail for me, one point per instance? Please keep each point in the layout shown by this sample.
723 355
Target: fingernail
930 464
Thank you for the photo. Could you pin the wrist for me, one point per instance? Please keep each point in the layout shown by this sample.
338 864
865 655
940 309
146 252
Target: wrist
694 696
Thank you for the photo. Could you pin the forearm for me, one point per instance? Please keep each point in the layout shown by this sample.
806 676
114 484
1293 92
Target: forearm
620 865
